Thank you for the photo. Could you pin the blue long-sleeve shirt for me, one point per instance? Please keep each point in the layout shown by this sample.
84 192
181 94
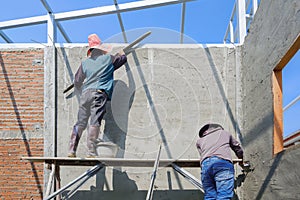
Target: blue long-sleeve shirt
98 72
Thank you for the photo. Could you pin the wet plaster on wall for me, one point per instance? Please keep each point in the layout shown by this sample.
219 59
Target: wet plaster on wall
272 32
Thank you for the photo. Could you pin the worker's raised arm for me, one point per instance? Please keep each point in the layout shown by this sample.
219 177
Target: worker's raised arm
119 59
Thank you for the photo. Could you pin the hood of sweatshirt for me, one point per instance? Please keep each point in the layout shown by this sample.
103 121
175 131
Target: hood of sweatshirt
209 128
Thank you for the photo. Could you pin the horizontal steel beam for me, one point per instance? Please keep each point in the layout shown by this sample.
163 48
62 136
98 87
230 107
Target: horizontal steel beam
105 10
24 22
291 103
91 12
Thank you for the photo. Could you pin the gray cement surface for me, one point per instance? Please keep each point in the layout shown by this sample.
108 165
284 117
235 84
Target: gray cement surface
274 29
162 95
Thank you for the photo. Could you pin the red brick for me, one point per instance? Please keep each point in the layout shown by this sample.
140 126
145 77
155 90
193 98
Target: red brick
21 105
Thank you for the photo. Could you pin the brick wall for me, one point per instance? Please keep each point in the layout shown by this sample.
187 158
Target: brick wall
21 90
21 123
19 178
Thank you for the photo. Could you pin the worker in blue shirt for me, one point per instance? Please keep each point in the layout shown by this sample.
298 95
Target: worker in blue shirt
98 73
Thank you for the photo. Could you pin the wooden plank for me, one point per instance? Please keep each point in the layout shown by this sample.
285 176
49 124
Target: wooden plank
277 96
278 112
289 54
121 162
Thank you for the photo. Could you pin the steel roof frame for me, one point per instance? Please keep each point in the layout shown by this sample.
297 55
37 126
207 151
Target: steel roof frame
59 26
53 19
237 34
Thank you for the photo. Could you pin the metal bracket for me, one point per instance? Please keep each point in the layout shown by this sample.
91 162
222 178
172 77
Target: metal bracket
188 177
85 176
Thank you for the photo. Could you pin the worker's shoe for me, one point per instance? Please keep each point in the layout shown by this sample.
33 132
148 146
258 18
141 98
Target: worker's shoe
74 140
92 137
99 141
91 156
72 155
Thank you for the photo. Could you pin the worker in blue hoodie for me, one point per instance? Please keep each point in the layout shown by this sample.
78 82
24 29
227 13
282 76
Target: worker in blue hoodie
217 170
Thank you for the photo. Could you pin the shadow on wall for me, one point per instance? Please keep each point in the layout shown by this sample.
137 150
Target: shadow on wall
154 112
115 131
222 90
116 117
268 178
258 130
242 177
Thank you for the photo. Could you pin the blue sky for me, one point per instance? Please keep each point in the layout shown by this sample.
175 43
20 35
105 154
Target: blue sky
205 22
291 90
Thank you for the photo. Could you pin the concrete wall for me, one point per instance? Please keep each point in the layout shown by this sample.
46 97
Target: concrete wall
275 27
164 94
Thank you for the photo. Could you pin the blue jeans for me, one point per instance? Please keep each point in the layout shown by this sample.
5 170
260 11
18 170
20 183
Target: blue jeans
217 176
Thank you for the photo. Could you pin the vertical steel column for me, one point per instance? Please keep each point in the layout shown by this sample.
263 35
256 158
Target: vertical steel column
51 43
182 22
241 20
50 88
254 6
231 32
51 30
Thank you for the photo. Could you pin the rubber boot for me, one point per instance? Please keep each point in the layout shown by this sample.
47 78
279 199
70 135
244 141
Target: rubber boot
92 137
74 140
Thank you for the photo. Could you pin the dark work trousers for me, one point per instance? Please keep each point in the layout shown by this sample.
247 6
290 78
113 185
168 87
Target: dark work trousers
92 105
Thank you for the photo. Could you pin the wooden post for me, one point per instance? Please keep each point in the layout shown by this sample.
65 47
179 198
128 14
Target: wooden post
278 112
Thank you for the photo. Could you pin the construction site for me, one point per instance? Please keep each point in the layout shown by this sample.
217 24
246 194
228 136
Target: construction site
162 96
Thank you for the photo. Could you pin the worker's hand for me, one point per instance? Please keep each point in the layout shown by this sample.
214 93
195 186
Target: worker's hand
121 52
246 166
241 164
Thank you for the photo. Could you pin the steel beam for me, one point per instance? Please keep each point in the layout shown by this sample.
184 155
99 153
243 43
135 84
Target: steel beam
182 21
46 5
90 173
59 26
197 183
292 103
51 30
98 11
24 22
231 32
230 28
121 22
105 10
5 37
241 20
153 176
